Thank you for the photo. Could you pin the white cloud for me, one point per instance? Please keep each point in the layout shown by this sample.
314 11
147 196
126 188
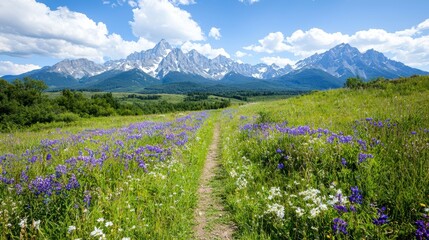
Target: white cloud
183 2
215 33
273 42
59 33
281 62
249 1
410 46
160 19
204 49
10 68
241 54
132 3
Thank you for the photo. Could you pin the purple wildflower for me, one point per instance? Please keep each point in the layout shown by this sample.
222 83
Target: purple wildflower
341 208
343 161
72 183
87 198
356 196
422 232
382 218
339 226
279 150
60 170
48 157
280 166
363 157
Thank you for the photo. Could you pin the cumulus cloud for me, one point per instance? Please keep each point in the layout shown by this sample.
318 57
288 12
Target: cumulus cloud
59 33
241 54
183 2
205 49
215 33
249 1
273 42
410 46
281 62
161 19
7 67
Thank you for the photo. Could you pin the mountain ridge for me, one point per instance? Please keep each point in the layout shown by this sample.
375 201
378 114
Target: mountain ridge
339 63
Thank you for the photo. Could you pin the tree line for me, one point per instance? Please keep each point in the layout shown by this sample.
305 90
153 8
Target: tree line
23 103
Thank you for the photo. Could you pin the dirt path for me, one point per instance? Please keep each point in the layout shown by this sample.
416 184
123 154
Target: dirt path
210 215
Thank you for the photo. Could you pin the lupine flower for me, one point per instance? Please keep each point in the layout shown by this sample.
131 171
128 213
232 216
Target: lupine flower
363 157
339 226
280 166
340 208
343 161
72 183
60 170
356 196
279 150
48 157
87 198
422 232
381 217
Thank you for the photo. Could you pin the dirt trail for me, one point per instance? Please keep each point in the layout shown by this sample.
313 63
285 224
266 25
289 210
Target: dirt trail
209 214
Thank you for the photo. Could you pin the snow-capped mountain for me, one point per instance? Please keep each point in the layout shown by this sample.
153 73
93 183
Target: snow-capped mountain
163 61
77 68
345 61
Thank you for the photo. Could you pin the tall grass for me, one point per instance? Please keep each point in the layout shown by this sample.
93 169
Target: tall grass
343 164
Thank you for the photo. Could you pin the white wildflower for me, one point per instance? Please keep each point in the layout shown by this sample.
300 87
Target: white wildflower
23 223
100 220
126 238
277 209
314 212
233 173
426 209
71 229
36 224
241 182
97 232
274 192
108 224
299 211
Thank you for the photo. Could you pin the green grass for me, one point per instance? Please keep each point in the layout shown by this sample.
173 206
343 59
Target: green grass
396 177
137 203
276 180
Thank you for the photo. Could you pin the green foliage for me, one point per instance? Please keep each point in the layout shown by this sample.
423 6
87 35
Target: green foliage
279 178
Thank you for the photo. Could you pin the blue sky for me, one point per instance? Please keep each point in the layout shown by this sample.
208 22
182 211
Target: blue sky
36 33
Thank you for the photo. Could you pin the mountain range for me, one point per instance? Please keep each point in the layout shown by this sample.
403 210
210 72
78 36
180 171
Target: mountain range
167 69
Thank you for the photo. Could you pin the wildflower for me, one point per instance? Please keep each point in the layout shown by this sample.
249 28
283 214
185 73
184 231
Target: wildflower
71 229
299 211
23 223
339 226
280 166
277 209
381 217
343 161
72 183
100 220
108 224
126 238
274 191
48 157
422 232
36 224
362 157
356 196
97 232
340 208
87 198
279 150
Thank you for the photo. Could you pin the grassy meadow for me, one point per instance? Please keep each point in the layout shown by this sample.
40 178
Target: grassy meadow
337 164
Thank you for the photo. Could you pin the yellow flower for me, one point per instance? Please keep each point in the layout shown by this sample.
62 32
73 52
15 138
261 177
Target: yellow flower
422 205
